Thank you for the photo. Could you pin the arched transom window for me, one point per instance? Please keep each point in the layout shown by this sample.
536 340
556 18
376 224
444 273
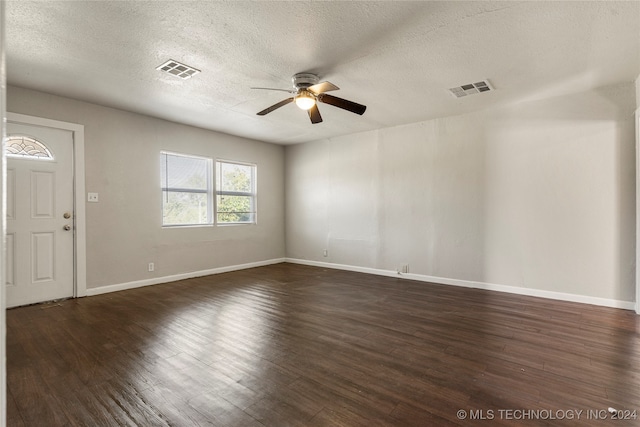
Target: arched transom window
25 147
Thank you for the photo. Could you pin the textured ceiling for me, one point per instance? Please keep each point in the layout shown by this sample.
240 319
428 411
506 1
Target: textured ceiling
398 58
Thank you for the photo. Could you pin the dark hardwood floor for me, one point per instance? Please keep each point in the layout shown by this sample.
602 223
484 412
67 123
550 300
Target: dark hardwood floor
291 345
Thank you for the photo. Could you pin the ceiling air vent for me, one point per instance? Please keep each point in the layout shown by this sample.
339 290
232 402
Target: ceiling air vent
471 88
177 69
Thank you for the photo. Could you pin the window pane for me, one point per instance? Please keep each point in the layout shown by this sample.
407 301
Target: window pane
182 172
234 177
235 209
180 208
236 198
26 148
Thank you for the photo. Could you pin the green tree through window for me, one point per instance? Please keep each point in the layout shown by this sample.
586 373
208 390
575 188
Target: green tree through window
235 191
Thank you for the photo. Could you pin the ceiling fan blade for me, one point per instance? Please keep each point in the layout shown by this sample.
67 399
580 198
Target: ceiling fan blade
272 88
354 107
322 87
314 114
275 106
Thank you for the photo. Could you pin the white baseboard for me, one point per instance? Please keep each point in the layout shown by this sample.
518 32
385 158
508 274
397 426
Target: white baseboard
478 285
627 305
181 276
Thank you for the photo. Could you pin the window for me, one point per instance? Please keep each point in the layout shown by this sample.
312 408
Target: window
187 195
25 147
236 193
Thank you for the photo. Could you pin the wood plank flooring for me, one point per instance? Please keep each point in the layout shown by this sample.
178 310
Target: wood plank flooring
291 345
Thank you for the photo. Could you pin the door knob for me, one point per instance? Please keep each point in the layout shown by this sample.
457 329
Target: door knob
66 227
66 215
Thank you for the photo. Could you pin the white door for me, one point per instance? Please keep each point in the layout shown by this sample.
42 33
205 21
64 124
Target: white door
40 217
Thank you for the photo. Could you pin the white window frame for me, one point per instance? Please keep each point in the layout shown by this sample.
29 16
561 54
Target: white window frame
209 191
253 193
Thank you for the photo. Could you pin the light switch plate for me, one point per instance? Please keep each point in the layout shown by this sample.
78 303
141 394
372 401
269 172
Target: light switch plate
92 197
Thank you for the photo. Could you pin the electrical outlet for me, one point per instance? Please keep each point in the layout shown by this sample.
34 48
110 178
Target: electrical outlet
325 253
151 266
92 197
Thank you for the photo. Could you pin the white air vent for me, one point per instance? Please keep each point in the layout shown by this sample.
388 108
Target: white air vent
471 88
177 69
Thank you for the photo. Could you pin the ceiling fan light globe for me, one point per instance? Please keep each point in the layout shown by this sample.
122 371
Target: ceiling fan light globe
305 102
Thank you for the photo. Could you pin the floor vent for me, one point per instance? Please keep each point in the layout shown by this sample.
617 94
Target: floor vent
471 88
177 69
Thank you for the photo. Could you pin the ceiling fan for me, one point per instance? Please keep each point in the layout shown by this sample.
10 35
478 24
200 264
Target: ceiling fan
308 92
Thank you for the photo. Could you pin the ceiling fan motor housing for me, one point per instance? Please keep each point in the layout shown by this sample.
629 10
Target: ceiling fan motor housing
304 80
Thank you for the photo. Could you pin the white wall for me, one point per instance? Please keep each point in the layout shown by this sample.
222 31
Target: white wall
539 195
3 210
637 118
122 160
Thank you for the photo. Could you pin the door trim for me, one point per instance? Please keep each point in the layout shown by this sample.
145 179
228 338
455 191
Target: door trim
79 237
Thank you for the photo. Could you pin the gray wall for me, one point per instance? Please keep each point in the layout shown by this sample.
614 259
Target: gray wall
124 230
536 195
